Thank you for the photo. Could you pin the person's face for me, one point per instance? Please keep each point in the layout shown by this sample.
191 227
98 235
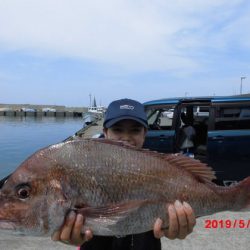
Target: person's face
128 131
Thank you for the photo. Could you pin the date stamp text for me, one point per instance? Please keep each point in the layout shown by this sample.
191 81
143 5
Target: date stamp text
227 223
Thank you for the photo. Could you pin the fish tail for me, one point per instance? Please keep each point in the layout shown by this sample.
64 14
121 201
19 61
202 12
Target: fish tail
244 186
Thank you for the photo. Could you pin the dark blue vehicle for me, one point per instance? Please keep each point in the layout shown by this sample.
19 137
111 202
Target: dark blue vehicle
222 132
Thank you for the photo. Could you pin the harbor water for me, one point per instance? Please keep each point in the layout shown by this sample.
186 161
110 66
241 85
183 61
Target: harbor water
22 136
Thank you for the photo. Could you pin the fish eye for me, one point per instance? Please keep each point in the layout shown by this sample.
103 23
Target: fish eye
23 192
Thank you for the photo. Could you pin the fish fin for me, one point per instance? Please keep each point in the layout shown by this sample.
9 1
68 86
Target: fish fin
200 170
245 185
114 142
111 210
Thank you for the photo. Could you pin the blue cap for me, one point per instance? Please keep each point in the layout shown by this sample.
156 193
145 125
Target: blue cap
125 109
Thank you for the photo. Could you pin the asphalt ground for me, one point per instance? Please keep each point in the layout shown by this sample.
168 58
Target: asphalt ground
232 236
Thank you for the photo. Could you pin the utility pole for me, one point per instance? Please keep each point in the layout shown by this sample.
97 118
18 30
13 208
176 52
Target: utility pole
241 79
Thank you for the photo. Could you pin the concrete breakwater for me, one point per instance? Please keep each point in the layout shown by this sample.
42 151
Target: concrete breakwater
41 113
40 110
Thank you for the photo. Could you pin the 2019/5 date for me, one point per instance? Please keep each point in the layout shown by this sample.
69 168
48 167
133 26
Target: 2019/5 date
236 223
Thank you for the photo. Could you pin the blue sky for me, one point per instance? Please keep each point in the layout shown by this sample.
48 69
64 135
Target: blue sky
61 51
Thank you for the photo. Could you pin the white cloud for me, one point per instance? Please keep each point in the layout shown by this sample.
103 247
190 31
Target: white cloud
139 35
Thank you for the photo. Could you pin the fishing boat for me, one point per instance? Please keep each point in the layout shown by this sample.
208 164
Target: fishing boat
96 109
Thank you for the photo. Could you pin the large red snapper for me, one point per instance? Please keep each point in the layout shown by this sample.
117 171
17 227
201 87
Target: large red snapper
119 189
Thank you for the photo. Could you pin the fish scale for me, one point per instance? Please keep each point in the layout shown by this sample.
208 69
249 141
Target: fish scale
119 189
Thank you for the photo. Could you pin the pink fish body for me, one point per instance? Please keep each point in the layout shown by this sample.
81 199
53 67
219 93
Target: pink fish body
119 189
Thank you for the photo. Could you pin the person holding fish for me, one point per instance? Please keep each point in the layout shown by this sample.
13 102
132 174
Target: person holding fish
126 121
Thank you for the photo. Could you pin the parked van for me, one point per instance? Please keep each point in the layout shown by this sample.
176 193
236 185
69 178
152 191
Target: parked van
222 131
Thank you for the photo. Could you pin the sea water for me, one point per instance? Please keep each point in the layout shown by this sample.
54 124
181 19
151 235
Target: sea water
22 136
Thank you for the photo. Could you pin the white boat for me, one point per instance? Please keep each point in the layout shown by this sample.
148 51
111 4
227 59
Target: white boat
97 109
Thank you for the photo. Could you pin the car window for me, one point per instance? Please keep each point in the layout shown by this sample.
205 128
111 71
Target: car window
228 118
198 113
160 118
201 110
245 112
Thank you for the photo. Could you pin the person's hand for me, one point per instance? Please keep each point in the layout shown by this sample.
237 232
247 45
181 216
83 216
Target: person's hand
71 231
181 222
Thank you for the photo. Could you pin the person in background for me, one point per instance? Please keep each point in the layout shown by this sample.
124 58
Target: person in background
126 121
187 136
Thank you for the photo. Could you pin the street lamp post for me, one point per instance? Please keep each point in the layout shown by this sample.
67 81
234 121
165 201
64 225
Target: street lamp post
241 79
